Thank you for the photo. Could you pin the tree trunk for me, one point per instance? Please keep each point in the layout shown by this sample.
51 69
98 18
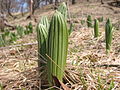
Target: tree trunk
56 2
31 8
73 1
22 10
88 0
8 6
51 1
36 4
102 2
117 2
2 8
2 25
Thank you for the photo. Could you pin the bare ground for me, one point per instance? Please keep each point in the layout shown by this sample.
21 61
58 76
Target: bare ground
87 63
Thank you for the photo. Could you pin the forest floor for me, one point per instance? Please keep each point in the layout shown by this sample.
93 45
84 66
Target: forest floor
88 66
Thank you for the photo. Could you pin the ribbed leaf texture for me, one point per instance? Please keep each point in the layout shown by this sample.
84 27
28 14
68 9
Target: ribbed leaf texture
63 9
57 46
42 35
96 28
89 21
108 35
44 20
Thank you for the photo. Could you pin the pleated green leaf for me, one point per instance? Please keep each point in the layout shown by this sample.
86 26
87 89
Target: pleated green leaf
108 35
96 28
63 9
44 21
89 21
57 46
42 35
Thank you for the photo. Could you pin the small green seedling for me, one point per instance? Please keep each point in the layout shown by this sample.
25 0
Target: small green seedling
108 35
96 28
89 21
20 31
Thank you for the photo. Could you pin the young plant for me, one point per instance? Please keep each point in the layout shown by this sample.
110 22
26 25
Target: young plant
112 85
20 31
2 42
1 86
45 22
89 21
7 33
71 28
63 9
30 27
100 19
108 35
100 83
42 34
57 46
82 79
82 22
96 28
6 36
13 37
26 31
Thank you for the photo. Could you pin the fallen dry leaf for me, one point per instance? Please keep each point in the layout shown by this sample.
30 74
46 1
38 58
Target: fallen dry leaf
59 84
